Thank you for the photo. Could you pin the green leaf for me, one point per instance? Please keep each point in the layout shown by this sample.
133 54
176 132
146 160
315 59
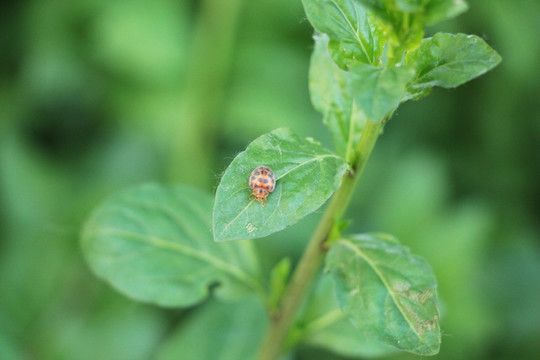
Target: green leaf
153 243
278 281
323 324
378 7
432 11
379 90
219 331
387 292
306 176
410 6
449 60
355 35
439 10
328 86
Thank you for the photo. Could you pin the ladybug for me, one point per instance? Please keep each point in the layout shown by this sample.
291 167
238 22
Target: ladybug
263 182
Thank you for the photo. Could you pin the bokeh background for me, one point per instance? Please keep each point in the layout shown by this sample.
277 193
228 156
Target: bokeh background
99 95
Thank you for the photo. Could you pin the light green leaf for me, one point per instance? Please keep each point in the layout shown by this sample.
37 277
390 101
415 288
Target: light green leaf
306 176
379 90
410 6
153 243
218 331
387 292
449 60
279 277
323 324
432 11
355 35
439 10
328 86
379 7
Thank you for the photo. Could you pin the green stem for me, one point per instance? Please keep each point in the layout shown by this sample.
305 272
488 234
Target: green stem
209 63
317 247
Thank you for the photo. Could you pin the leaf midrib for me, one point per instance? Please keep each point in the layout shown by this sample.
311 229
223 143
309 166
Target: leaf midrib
352 27
184 250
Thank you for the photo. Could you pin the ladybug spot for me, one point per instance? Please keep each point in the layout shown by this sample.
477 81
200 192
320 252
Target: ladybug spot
257 173
266 181
253 178
260 179
272 180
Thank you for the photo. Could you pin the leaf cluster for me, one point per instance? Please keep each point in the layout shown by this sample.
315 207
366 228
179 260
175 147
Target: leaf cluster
170 246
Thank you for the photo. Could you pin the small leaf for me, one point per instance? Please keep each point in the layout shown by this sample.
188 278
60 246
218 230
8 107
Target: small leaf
153 243
439 10
387 292
323 324
378 7
328 86
306 176
218 331
379 90
278 281
449 60
355 35
410 6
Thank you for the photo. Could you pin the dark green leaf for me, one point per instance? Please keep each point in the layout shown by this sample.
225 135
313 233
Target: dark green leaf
328 86
355 35
449 60
306 176
219 331
379 90
439 10
387 292
153 243
323 324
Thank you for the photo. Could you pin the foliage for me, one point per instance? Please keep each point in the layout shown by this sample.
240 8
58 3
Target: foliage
101 96
152 243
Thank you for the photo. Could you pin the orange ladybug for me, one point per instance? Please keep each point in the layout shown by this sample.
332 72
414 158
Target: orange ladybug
263 182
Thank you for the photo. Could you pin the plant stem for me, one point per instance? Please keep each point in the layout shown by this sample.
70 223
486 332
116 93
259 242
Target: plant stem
317 247
209 63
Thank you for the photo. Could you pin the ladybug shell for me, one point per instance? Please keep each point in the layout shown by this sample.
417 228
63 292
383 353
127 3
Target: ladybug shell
262 177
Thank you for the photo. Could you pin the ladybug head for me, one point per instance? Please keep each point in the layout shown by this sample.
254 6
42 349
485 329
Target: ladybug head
260 193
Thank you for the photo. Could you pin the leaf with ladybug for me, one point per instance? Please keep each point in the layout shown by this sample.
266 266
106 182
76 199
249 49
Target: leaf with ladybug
305 174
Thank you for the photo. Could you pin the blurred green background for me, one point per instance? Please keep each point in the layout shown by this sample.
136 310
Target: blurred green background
98 95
